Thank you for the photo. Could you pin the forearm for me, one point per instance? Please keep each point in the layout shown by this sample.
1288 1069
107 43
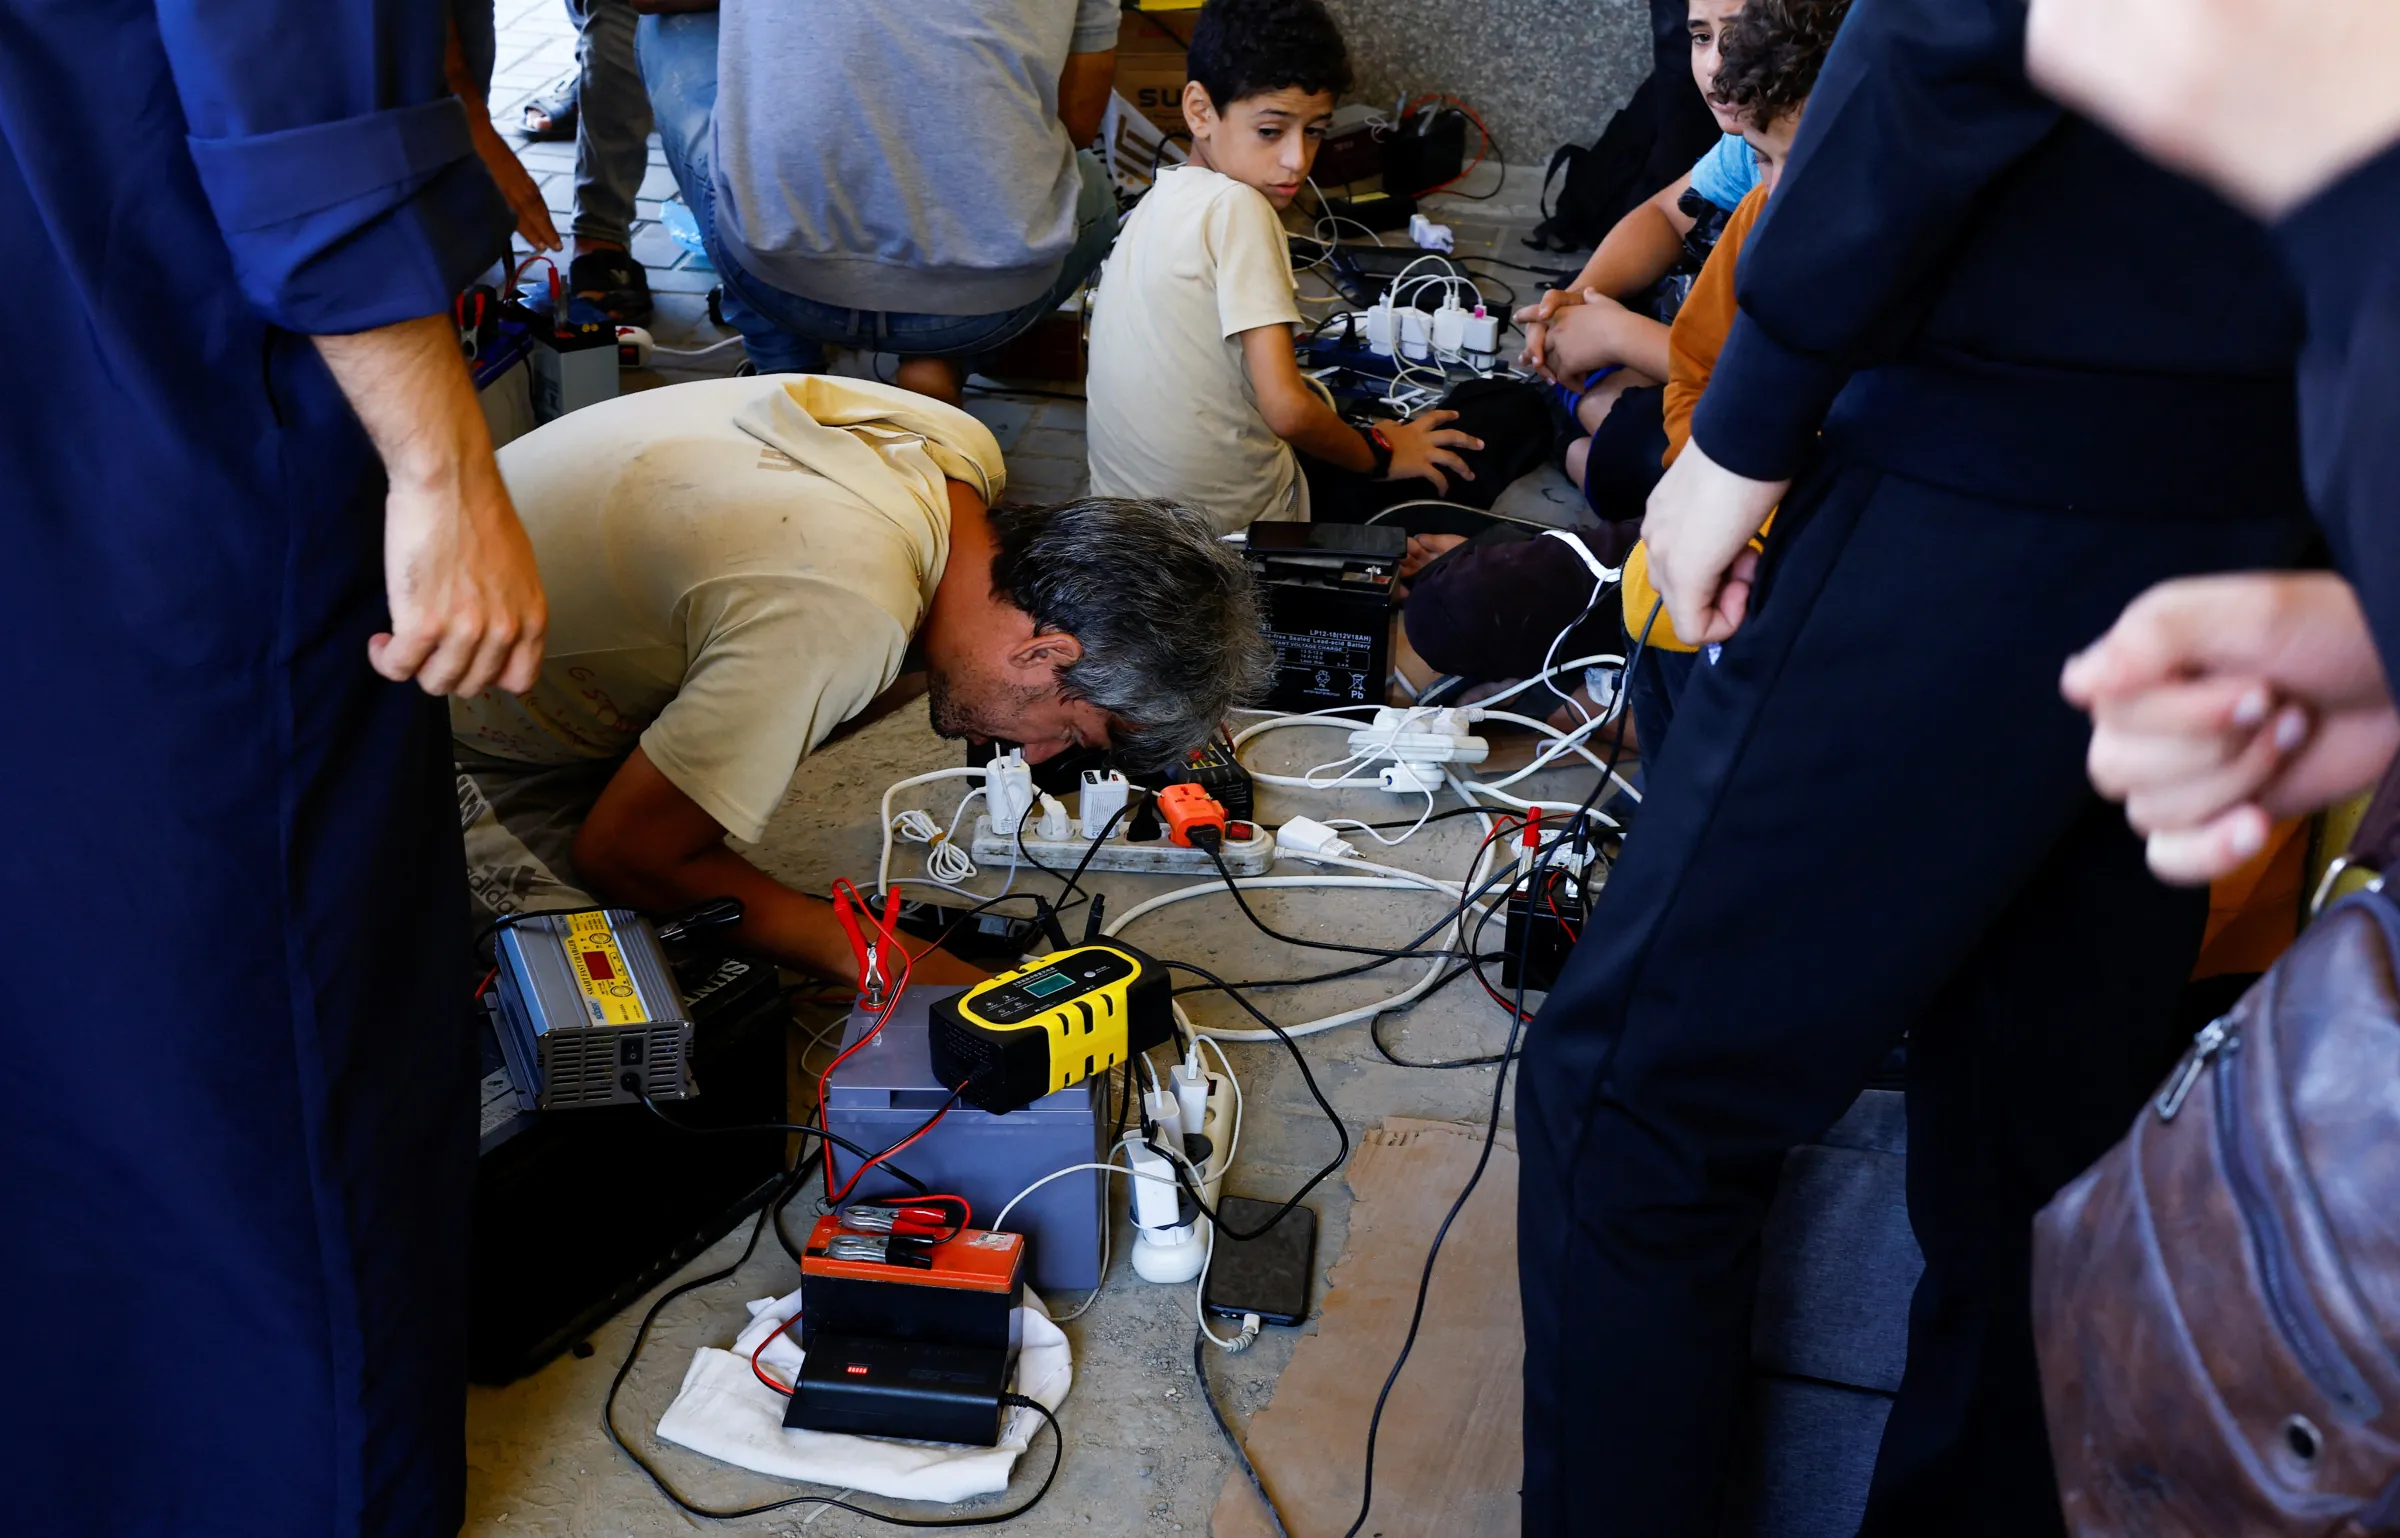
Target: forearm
1642 346
1632 256
1084 88
1632 342
413 395
1317 430
790 927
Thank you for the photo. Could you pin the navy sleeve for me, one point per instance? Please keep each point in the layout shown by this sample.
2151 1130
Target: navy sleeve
2344 246
1921 105
333 155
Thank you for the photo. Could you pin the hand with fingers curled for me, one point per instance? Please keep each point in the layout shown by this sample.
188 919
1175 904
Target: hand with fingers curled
1425 448
1535 320
1698 526
2222 703
466 600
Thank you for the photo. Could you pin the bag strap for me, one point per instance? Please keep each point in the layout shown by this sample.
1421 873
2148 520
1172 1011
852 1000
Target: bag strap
2376 844
1561 156
2374 847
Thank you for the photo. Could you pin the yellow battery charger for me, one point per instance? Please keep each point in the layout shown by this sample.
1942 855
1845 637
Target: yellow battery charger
1050 1024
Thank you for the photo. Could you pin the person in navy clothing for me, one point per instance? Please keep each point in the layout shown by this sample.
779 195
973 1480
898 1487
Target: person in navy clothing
2220 704
2000 375
250 528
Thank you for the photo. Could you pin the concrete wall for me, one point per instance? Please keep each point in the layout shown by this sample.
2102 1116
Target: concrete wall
1538 71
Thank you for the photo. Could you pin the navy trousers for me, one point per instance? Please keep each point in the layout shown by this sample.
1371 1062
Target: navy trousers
1874 822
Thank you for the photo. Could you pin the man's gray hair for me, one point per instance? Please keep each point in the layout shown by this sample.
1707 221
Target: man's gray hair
1166 613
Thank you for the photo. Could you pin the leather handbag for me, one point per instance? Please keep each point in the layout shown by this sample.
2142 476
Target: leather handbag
2216 1302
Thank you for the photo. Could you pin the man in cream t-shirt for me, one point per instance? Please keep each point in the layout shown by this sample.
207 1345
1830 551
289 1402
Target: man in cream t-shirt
736 568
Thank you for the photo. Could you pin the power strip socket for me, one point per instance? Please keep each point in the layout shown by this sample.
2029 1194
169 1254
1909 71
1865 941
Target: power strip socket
1248 855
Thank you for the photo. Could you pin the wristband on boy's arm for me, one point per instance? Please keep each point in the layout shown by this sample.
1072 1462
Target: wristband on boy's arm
1379 446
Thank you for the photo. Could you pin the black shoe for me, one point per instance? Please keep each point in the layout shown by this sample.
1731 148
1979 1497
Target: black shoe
614 281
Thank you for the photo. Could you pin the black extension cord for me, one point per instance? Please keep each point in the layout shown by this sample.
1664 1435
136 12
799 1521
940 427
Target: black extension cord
1241 1454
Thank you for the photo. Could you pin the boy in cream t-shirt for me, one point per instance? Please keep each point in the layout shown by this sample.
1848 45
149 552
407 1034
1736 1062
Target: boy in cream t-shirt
1195 393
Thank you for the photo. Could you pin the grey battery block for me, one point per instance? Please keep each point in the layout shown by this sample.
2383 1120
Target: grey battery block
1161 856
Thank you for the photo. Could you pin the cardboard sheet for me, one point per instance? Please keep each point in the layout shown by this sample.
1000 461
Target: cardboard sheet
1448 1460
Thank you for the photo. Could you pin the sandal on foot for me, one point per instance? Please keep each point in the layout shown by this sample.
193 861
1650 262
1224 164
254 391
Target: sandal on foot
555 107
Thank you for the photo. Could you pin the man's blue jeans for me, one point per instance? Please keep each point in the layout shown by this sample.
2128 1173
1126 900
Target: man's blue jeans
784 332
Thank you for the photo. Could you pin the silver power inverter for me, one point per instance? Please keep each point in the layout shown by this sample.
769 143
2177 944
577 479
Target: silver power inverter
587 1002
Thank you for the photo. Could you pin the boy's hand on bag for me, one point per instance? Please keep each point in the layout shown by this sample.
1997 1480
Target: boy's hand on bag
2221 703
1422 448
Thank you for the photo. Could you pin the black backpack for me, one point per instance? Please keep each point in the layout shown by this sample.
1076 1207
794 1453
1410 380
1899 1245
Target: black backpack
1603 179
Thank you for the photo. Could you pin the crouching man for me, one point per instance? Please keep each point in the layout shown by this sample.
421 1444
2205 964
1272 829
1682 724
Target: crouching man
738 567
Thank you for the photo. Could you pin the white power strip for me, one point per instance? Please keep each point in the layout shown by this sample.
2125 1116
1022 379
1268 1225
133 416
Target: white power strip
1160 856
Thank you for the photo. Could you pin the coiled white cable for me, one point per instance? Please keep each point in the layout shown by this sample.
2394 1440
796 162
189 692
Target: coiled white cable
945 861
883 861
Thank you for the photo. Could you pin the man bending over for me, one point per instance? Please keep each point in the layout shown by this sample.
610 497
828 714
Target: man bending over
738 567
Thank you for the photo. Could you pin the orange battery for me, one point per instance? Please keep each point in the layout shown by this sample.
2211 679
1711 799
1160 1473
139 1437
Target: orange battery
963 1291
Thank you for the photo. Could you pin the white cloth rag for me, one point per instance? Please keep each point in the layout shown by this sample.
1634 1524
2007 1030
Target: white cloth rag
724 1412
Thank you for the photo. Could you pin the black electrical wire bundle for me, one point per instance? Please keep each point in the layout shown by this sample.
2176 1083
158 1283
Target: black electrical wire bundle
1072 884
1183 1179
1241 1454
1516 1024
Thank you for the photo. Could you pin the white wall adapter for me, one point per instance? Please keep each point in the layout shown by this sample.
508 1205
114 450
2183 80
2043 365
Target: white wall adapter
1008 790
1308 838
1102 797
1379 323
1481 333
1449 325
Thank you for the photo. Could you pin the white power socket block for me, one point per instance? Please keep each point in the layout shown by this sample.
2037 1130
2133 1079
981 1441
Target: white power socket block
1008 790
1420 737
1102 797
1411 779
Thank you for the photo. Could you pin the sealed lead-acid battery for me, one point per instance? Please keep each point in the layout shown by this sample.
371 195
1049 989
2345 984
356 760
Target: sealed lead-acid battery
887 1090
589 1012
1328 594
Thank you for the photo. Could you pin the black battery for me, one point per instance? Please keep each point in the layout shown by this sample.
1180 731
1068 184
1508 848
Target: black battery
1328 594
1214 769
924 1391
1543 932
578 1213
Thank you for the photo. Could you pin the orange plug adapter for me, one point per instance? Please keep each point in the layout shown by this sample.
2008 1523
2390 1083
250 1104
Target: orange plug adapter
1187 809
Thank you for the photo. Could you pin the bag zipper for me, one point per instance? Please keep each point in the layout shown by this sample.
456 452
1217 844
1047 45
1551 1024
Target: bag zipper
2211 1039
2289 1303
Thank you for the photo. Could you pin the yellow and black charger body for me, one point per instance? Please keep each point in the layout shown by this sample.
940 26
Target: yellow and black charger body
1050 1024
